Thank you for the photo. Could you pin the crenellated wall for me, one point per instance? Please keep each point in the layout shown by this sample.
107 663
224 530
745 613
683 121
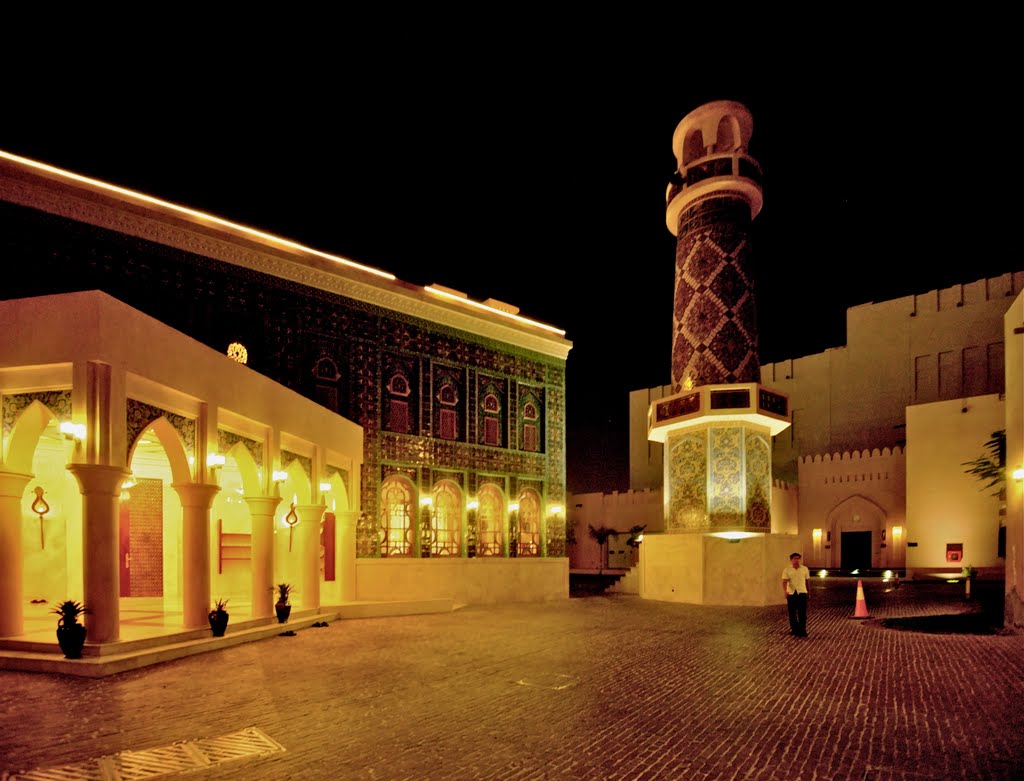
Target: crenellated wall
853 493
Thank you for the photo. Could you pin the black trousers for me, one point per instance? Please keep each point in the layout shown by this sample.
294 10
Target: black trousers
797 604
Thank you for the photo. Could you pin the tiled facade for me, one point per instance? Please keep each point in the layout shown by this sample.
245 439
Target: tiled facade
476 409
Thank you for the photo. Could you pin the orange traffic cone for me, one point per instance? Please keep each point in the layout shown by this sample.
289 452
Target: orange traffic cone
862 606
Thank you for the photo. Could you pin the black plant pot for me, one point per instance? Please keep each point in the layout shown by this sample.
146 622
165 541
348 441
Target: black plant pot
283 611
71 638
218 622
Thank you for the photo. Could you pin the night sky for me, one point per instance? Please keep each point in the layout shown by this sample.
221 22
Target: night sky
544 186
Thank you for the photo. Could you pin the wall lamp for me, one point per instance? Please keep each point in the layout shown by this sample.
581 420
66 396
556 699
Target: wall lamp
75 431
279 476
1018 473
215 460
325 486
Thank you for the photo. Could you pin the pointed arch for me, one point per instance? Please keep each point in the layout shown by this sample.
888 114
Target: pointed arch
490 523
337 500
856 516
298 484
247 468
25 434
447 509
173 445
529 523
397 505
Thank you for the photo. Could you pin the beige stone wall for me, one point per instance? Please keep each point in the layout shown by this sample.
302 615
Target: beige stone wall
852 491
618 510
478 581
944 504
704 570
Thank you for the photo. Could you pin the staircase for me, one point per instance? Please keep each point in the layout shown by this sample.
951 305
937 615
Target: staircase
587 583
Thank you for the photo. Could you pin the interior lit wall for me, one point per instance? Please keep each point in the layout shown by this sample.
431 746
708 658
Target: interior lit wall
52 565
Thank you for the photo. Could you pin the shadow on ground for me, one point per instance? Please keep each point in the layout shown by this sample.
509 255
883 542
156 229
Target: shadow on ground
983 617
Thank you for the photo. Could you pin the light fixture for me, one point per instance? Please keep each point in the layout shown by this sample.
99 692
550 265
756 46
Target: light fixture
823 573
40 508
75 431
325 486
897 532
513 507
556 509
816 534
426 501
1018 473
215 460
129 483
472 504
290 520
237 352
279 476
733 536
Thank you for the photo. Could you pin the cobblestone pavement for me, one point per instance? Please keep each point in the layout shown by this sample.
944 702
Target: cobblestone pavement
604 687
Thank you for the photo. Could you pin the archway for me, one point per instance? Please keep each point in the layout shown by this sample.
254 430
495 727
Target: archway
51 536
231 533
150 521
856 524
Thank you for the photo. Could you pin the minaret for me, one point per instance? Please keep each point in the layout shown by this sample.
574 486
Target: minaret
718 425
713 199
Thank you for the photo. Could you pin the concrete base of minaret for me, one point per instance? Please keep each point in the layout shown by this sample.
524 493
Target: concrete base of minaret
717 546
702 569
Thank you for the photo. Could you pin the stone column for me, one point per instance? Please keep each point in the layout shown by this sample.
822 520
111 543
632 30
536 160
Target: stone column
345 564
261 511
100 485
12 611
196 500
309 547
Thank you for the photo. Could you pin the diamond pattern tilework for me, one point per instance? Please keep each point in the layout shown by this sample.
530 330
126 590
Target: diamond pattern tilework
714 336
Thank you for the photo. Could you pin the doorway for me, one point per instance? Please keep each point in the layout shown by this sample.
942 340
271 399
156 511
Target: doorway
856 550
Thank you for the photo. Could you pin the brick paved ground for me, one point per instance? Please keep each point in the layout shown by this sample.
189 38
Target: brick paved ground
606 687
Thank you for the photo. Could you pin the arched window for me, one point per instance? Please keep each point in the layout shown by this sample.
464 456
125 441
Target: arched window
491 418
397 415
529 523
447 413
490 521
396 495
531 419
531 427
325 383
447 521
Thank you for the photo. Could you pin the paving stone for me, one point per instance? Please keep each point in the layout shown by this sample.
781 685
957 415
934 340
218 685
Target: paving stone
608 687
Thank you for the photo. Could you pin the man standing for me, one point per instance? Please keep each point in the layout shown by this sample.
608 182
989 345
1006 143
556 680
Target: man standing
794 584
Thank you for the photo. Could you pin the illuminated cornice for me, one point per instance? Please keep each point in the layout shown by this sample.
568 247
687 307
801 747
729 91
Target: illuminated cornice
184 210
484 307
66 194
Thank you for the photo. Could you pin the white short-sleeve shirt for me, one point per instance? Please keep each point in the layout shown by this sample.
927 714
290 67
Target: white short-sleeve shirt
796 579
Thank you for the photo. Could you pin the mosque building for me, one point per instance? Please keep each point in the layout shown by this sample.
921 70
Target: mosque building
195 410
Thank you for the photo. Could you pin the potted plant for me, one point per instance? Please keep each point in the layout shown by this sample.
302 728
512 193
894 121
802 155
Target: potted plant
70 633
283 605
219 618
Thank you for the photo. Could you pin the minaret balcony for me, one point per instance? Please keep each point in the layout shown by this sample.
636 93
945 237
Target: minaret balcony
747 402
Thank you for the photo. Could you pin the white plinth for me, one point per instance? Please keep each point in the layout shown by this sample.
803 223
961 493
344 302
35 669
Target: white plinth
700 569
